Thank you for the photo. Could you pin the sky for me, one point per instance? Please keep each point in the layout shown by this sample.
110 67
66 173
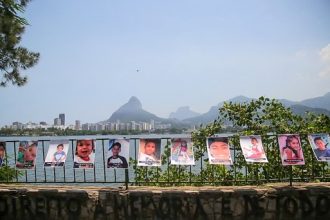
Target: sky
187 53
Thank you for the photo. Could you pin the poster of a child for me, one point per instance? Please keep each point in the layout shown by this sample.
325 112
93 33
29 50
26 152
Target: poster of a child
84 155
253 150
218 150
290 149
320 146
57 153
182 152
2 153
118 153
26 156
149 152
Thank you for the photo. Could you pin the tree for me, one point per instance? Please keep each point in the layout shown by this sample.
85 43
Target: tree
267 118
14 58
264 117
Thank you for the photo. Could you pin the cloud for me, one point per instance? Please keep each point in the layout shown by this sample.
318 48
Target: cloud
325 54
325 57
325 73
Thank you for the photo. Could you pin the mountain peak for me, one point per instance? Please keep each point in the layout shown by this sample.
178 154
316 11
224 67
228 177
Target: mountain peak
132 111
132 105
134 101
240 99
183 113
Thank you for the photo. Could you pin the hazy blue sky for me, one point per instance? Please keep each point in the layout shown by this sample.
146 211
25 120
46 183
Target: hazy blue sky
194 53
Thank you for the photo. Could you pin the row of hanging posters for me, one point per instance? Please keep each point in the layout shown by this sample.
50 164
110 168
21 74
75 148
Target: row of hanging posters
182 152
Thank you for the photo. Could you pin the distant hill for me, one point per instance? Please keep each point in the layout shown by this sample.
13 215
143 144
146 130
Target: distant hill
132 111
318 102
213 113
238 99
296 107
207 117
287 103
301 109
183 113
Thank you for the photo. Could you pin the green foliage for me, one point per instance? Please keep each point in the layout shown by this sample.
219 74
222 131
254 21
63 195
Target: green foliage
13 58
267 118
263 117
7 173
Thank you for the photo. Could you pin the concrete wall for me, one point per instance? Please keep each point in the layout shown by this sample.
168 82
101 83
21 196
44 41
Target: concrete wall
304 202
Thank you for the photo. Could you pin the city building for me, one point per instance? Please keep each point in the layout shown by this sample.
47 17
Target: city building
62 119
77 125
17 125
109 126
85 127
57 122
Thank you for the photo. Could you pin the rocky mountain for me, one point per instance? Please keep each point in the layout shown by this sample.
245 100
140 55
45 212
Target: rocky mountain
183 113
132 111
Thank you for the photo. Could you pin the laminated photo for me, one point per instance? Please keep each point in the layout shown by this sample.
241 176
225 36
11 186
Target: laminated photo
290 149
182 151
26 154
118 153
218 151
149 152
2 153
253 150
57 153
320 145
84 154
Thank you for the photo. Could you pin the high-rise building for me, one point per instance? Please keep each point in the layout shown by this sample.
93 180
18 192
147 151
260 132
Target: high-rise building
17 125
77 125
62 118
122 126
57 122
152 124
100 127
85 127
